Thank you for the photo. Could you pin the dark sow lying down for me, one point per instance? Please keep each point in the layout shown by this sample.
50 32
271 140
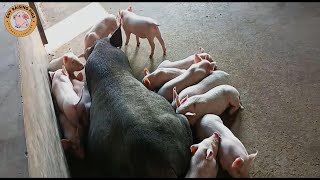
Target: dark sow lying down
133 132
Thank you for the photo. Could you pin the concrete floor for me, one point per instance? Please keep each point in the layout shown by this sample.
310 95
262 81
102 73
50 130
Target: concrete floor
13 161
271 51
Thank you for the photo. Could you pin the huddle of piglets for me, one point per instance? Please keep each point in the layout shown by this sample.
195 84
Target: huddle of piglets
196 72
73 101
201 93
141 26
216 78
232 154
71 111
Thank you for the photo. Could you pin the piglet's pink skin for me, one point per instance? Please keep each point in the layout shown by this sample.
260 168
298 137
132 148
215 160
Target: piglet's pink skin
215 101
100 30
68 103
141 26
193 75
203 163
232 154
71 62
186 62
159 77
216 78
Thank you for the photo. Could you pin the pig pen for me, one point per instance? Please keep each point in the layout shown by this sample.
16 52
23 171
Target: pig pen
271 55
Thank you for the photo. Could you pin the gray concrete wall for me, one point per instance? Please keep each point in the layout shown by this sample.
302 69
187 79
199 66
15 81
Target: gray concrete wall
13 160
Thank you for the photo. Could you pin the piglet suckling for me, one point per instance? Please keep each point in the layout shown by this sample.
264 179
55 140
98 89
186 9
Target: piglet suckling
232 154
203 162
216 78
69 104
186 62
100 30
69 60
193 75
141 26
215 101
156 79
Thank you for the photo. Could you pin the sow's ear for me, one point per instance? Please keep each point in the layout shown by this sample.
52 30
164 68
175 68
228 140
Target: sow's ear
116 38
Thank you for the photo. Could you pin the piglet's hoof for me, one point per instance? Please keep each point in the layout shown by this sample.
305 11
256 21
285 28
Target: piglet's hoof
138 44
150 56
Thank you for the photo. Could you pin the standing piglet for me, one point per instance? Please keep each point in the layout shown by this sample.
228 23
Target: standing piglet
69 105
232 154
186 62
100 30
203 163
159 77
193 75
215 101
142 27
216 78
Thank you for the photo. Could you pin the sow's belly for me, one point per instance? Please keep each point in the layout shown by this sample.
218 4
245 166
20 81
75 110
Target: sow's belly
134 128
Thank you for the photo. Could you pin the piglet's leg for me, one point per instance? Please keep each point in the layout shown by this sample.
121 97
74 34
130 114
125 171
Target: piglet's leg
152 45
162 43
128 37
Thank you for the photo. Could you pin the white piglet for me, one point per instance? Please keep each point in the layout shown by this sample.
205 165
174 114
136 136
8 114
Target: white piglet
215 101
141 26
232 154
216 78
203 162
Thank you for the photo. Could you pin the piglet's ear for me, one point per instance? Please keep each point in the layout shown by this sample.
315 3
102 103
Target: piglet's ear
65 59
197 58
212 66
201 50
80 76
176 97
194 148
64 70
146 71
184 99
146 81
237 163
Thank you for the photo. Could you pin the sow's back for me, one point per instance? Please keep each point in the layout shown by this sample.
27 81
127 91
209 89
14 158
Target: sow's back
133 132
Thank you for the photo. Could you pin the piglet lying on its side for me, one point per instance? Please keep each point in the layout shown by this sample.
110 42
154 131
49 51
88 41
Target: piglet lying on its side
186 62
216 78
215 101
142 27
193 75
203 163
232 154
69 60
159 77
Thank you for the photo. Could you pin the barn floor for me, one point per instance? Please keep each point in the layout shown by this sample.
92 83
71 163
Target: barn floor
271 51
13 160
